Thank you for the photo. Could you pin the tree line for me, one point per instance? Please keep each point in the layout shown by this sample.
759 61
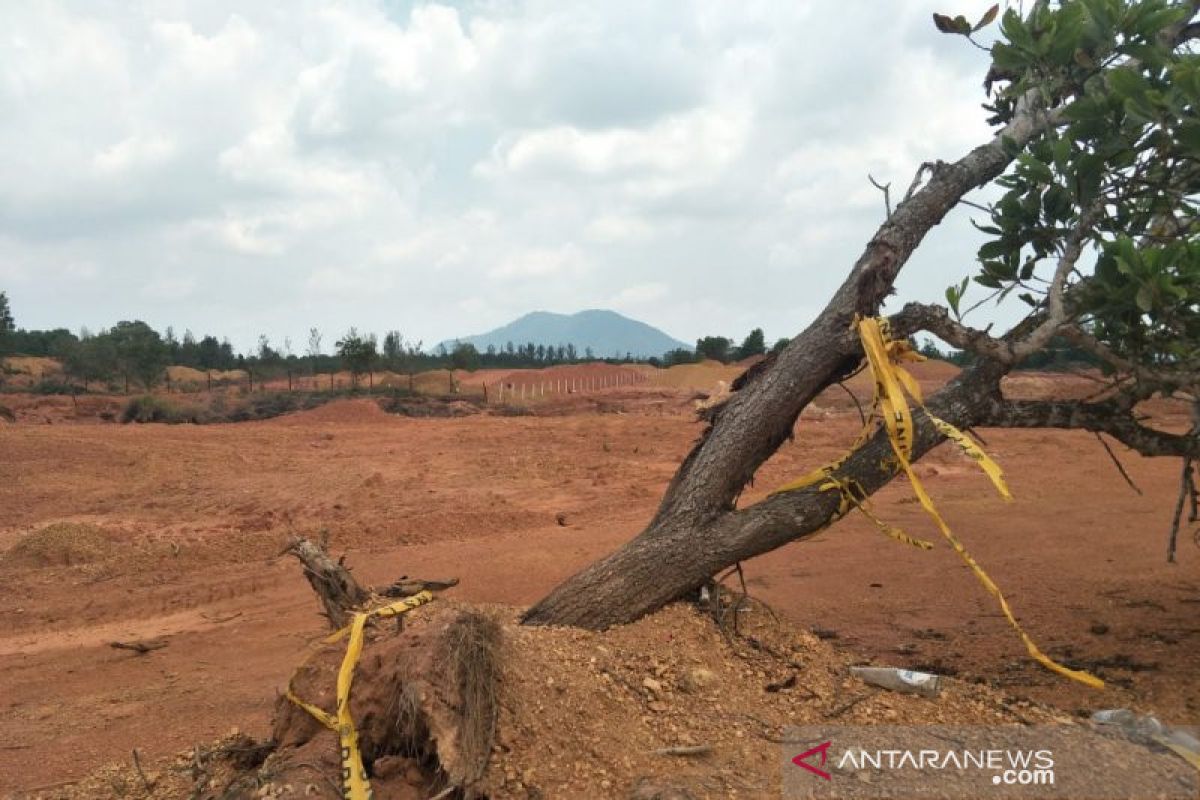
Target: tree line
134 353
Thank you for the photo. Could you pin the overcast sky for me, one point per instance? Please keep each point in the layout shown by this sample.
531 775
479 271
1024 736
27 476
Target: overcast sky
245 168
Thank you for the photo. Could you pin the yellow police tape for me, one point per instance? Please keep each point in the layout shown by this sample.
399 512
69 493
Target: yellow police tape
355 785
884 356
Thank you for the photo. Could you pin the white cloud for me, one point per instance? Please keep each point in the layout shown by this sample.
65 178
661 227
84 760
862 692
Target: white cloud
134 152
640 295
612 228
374 164
688 147
541 262
169 287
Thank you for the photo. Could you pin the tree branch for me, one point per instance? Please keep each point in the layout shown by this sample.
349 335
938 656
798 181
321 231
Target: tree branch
1109 417
1056 310
1149 380
936 320
759 418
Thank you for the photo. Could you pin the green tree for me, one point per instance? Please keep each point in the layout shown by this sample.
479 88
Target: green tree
680 355
7 324
755 344
209 355
718 348
313 349
140 353
464 356
393 349
91 358
358 354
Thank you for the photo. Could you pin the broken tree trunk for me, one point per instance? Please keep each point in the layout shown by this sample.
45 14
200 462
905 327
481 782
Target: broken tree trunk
427 692
339 592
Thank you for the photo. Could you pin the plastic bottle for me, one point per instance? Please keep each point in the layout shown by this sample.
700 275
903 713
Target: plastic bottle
900 680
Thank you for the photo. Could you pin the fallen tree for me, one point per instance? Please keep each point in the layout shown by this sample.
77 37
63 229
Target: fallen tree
1098 149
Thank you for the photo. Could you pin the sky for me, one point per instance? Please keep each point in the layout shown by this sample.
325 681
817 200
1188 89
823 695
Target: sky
442 168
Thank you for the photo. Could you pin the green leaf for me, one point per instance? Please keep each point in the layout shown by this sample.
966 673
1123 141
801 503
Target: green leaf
1145 298
1008 59
996 249
1062 152
1013 28
1188 135
990 230
1036 169
1057 203
952 298
1126 82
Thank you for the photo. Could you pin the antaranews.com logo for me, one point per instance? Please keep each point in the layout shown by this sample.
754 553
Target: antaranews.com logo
1000 762
1010 767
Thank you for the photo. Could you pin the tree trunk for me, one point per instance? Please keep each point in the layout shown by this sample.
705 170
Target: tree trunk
675 556
697 531
339 592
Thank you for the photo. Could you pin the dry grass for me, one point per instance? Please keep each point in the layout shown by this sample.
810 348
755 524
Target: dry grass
199 377
472 644
62 544
34 366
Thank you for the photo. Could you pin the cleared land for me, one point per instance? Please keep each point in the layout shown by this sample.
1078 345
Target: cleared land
173 531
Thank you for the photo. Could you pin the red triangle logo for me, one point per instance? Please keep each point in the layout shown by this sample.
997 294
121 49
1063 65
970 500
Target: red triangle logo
823 749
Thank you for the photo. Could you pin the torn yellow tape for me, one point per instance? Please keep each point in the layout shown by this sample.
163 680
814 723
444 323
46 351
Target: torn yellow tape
891 383
858 499
355 785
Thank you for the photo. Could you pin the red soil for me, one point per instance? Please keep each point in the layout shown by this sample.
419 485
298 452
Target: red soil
183 524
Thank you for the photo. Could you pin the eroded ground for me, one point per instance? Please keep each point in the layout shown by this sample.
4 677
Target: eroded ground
191 519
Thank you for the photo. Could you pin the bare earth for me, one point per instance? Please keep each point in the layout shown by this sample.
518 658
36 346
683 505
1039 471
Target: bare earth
178 530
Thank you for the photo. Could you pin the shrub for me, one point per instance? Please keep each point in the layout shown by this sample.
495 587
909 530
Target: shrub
149 408
274 404
52 386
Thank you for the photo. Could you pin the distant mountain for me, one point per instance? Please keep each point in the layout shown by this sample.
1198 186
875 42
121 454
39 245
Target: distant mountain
607 333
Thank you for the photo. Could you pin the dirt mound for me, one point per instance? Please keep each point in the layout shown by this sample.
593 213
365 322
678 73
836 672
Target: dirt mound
219 762
35 366
62 544
674 701
180 374
589 714
339 411
420 406
703 376
41 409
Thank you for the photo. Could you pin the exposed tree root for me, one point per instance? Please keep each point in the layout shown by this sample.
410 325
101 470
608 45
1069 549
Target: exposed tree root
424 698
